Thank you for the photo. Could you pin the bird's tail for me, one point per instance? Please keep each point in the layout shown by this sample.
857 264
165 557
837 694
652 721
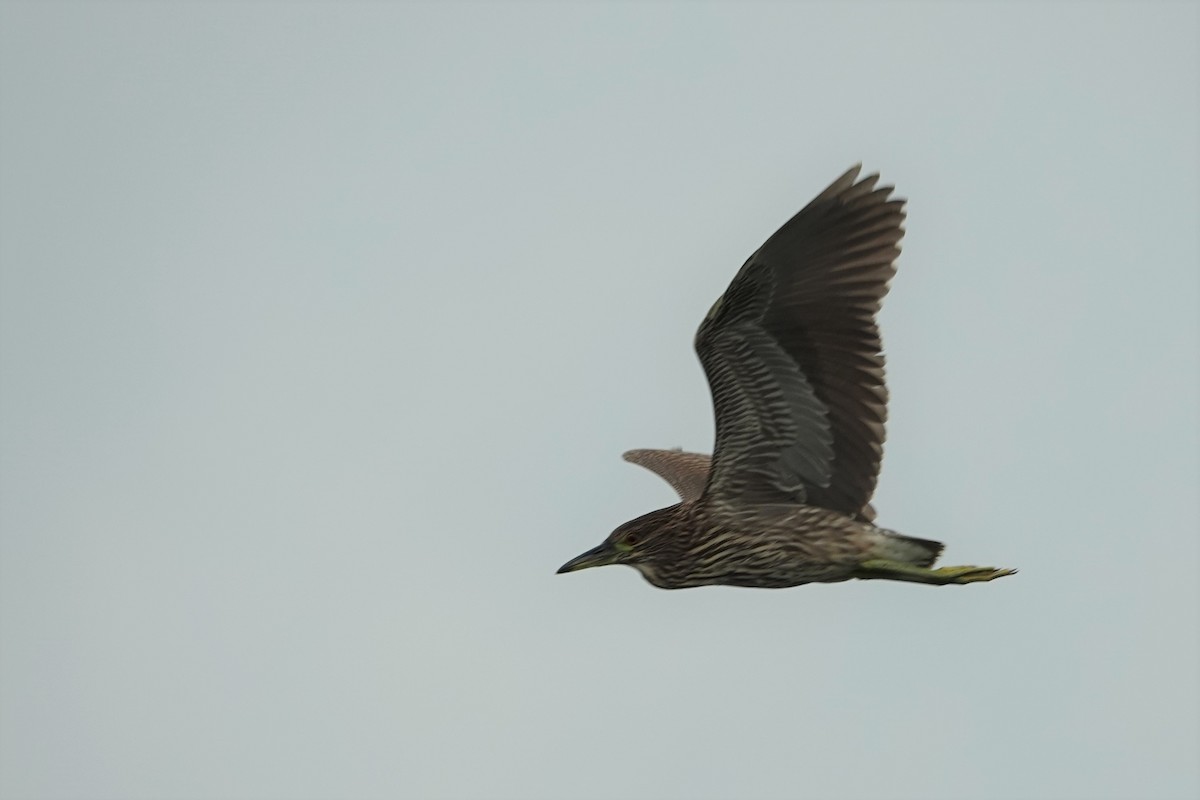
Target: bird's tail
894 546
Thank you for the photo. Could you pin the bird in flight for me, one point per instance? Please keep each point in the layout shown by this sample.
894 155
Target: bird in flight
793 359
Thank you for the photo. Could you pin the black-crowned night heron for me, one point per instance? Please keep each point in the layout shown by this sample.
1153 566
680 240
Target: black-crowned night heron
793 359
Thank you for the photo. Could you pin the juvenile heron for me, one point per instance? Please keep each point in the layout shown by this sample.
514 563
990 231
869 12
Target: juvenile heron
793 359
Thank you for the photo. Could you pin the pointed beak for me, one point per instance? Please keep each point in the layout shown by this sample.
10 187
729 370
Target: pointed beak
596 557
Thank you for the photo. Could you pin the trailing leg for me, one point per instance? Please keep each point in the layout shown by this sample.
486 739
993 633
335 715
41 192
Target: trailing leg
883 569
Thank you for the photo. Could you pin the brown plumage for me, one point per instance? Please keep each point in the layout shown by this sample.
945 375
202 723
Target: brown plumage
795 365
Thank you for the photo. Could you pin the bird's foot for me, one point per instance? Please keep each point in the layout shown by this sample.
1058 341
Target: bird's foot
972 574
899 571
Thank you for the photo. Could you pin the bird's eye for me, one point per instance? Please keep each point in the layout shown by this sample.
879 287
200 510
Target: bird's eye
631 539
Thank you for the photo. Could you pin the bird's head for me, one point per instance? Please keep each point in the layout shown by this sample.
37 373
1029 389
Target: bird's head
643 543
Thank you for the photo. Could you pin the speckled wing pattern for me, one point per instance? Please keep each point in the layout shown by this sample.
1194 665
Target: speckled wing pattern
793 356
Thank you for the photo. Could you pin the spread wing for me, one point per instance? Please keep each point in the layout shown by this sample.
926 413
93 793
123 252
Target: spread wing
793 355
686 472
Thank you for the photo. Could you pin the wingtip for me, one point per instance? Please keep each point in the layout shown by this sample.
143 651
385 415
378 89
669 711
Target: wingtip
853 185
638 454
847 180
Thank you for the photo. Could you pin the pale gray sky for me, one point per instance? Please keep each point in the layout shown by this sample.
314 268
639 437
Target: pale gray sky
323 327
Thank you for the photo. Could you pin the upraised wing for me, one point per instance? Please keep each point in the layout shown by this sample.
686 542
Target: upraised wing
793 355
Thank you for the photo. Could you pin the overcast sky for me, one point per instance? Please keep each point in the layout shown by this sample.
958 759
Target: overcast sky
323 327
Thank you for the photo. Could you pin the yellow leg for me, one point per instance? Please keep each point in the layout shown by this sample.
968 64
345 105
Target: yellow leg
882 569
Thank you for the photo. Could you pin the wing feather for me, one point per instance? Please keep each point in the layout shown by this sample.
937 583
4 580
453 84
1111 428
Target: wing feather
794 359
686 472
